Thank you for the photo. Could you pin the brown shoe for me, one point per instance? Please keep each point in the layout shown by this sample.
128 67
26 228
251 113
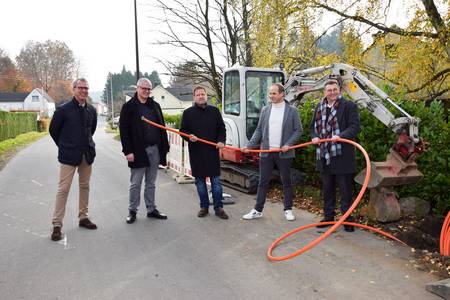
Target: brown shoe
56 234
202 213
86 223
221 214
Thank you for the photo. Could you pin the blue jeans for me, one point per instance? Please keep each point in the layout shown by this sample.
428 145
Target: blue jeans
216 187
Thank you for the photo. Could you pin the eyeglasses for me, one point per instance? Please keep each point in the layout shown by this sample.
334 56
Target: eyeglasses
82 88
145 88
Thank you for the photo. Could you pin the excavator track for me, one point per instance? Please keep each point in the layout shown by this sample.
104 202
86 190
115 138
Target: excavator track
243 178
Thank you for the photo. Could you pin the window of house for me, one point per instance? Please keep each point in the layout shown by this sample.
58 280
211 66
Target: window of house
35 98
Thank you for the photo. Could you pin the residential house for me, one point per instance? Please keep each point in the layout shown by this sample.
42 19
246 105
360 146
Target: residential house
102 108
12 101
173 101
37 101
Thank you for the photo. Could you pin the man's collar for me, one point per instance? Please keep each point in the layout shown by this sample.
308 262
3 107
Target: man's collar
202 106
78 102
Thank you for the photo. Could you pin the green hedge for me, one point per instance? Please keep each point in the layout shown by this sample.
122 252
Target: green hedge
13 124
173 119
376 138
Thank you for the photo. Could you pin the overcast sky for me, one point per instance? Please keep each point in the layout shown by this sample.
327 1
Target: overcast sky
99 32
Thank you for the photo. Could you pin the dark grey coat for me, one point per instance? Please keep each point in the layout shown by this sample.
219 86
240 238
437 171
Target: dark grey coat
349 126
291 132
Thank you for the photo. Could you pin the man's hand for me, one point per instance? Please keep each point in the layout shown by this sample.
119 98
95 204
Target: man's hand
284 148
193 138
315 140
245 150
130 157
220 145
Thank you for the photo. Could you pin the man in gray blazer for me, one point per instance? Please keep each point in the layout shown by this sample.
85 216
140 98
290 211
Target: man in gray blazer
279 126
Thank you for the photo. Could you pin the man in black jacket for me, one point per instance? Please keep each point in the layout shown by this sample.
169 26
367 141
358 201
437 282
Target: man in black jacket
72 127
144 146
335 117
205 121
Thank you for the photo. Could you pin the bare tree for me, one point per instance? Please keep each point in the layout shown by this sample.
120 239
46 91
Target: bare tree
47 63
213 39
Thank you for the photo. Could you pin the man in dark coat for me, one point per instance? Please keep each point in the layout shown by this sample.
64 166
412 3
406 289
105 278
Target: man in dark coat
71 128
335 117
205 121
144 146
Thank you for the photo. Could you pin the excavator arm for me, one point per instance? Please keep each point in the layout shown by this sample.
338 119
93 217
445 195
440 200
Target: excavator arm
367 95
399 168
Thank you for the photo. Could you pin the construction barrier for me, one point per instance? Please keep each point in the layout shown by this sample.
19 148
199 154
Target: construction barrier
178 158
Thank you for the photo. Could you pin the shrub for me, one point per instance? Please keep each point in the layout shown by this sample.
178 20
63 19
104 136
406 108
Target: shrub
377 139
13 124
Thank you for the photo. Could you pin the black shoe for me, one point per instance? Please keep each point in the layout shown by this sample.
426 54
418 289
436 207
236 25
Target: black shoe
131 217
203 212
86 223
325 220
56 234
156 214
221 214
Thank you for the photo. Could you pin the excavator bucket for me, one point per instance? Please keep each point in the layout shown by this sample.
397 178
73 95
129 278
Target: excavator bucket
392 172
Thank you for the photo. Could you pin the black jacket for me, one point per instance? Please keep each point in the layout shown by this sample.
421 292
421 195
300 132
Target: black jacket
205 123
72 127
132 135
348 120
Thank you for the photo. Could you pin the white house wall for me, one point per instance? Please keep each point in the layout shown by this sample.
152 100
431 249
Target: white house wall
11 106
168 102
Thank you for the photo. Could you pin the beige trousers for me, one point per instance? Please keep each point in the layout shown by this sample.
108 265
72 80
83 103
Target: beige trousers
65 181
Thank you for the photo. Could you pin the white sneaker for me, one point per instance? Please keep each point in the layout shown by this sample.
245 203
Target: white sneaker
289 215
253 214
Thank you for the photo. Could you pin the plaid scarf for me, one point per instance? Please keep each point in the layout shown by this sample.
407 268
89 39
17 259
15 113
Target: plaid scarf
326 129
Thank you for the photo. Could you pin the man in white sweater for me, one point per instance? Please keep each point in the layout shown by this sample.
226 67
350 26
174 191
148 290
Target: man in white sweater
279 126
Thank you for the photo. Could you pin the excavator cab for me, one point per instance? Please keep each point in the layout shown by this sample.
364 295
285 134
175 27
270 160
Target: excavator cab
245 91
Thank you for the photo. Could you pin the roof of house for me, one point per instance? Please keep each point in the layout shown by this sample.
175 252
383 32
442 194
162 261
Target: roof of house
45 95
13 97
182 93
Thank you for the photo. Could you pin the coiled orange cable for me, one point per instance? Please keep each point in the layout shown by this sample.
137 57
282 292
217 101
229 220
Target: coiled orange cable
336 224
445 237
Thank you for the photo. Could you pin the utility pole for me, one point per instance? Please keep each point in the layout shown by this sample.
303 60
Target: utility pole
136 38
112 102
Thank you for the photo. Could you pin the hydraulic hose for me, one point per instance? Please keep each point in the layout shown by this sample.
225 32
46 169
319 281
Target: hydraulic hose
336 224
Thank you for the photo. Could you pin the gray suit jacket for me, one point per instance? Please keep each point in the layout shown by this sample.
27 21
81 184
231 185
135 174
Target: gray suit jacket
291 132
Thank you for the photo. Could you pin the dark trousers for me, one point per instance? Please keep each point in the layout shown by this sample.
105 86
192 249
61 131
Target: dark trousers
266 165
329 181
216 191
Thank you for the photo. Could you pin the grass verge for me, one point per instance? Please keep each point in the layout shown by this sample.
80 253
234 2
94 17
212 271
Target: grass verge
9 147
20 141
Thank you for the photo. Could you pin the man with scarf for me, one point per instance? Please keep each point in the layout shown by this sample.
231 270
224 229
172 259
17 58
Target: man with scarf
335 117
144 146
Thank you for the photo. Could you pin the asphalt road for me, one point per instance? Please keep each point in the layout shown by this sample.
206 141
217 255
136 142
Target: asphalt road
184 257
